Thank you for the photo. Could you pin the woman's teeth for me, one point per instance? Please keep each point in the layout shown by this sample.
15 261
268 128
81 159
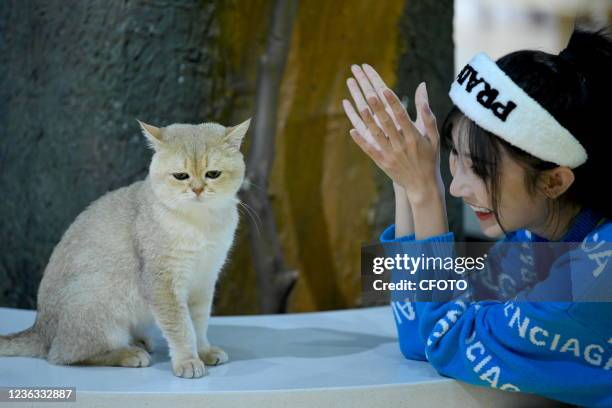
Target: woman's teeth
480 209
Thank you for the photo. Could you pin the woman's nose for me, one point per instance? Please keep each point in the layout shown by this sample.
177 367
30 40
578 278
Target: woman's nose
458 187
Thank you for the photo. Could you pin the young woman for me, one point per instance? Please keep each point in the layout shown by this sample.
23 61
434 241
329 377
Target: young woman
530 142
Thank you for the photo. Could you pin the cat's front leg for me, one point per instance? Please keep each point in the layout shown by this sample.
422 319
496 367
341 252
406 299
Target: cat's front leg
200 307
171 313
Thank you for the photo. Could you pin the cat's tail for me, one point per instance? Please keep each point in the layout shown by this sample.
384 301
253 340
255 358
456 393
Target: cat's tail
24 343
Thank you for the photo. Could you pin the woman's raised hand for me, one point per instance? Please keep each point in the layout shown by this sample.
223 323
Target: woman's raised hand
408 152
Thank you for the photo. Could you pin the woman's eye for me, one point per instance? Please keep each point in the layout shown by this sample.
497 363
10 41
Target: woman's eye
213 174
180 176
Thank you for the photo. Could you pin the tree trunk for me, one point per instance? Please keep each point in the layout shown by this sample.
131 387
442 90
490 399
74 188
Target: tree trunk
274 280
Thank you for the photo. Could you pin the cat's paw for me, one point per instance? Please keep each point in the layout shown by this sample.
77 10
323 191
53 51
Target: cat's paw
134 357
190 368
213 355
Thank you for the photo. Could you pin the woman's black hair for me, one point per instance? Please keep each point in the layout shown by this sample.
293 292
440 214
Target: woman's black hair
575 87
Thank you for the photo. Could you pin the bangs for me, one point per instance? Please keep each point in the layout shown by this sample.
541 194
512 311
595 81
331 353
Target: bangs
482 146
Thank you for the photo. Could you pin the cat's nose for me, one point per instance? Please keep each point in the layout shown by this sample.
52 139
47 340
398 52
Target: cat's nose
198 190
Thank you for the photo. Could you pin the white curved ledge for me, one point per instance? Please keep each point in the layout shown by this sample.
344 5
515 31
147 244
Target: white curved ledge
340 358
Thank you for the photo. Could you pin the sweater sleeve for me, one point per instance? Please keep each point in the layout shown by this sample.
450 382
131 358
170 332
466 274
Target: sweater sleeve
533 347
519 346
404 311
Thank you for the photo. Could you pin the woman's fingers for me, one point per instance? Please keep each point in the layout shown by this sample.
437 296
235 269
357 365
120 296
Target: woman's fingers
429 119
376 131
363 85
375 79
379 86
357 96
364 82
408 129
387 124
407 154
358 123
385 120
372 124
353 116
418 101
374 154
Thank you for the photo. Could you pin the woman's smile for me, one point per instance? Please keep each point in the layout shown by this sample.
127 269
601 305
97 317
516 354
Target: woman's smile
482 213
483 216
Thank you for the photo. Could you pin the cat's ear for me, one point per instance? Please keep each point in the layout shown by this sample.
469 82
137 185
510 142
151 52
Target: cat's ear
152 133
235 134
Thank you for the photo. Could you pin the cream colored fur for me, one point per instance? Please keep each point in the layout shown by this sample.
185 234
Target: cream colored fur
147 253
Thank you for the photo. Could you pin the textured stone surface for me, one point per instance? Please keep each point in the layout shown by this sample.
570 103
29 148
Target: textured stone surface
73 77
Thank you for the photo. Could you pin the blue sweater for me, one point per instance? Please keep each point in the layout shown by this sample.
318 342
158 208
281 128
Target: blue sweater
561 350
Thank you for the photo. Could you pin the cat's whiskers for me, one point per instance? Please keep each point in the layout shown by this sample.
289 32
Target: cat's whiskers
252 210
251 213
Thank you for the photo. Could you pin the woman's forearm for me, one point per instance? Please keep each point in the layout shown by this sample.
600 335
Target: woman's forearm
430 216
404 223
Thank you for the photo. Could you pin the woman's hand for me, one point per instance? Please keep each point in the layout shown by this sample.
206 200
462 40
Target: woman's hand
408 152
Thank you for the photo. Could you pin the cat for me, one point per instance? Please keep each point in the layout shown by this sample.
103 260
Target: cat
146 253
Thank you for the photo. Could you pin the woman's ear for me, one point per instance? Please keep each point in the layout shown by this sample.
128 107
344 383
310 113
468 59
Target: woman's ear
555 182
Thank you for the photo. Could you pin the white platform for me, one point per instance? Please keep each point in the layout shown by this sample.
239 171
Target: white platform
342 358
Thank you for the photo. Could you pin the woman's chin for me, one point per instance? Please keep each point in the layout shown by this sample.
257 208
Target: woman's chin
491 230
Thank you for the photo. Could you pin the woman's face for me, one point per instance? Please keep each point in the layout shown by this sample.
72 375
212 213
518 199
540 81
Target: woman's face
517 208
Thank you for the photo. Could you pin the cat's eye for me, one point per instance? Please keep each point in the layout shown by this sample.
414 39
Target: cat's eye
213 174
181 176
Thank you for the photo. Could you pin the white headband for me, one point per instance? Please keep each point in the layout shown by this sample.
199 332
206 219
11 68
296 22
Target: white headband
486 95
